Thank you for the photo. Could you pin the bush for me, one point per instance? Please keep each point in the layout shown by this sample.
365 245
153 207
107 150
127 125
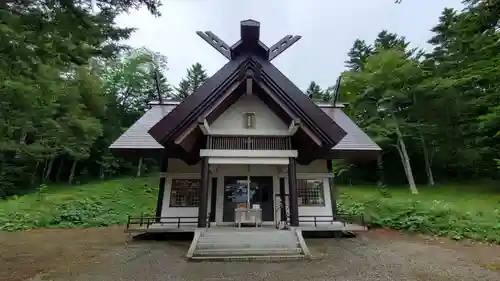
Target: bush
435 217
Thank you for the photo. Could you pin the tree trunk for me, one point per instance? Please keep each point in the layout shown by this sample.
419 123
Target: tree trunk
49 168
380 168
72 173
405 159
139 167
101 172
58 174
33 176
428 166
45 165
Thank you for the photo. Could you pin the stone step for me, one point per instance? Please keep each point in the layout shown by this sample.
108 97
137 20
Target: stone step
247 252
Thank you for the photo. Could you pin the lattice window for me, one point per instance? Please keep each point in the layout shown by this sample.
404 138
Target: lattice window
185 193
249 120
310 192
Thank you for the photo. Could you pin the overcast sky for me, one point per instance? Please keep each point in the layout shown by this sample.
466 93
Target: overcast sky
328 29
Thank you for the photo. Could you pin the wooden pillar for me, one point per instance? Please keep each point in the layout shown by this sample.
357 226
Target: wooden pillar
161 188
283 200
204 184
292 193
333 188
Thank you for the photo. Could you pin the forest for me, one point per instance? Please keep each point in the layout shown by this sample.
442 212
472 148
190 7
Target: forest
69 88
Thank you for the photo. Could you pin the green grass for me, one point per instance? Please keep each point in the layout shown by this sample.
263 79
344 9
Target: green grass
89 205
454 211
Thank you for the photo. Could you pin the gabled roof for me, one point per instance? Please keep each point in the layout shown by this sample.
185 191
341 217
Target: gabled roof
265 75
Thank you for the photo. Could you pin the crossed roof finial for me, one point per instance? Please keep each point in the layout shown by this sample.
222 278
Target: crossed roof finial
249 42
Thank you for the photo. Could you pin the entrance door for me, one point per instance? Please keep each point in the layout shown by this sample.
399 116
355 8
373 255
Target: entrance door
236 192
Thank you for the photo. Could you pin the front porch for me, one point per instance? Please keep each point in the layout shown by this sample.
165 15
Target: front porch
142 225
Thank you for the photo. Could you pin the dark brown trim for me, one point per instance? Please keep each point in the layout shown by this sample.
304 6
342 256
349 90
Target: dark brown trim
135 153
354 156
292 191
333 188
204 184
161 189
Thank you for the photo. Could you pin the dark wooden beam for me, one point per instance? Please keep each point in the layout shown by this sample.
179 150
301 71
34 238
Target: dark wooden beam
333 188
250 31
283 200
216 43
161 189
213 199
204 184
280 46
292 193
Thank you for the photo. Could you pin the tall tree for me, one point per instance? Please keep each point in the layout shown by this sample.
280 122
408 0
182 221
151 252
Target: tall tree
358 54
196 76
314 91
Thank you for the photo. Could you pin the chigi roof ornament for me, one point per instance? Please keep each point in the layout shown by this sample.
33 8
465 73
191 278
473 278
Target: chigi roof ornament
249 42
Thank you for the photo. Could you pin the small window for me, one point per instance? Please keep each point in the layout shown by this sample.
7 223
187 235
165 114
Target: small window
249 120
310 192
185 193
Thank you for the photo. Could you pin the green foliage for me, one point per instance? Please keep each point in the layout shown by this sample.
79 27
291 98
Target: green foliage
196 76
91 205
434 114
463 212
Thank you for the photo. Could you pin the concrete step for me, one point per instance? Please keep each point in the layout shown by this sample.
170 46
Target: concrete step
248 245
249 258
231 245
247 241
247 252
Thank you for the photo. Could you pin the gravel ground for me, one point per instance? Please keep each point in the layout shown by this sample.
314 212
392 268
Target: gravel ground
371 257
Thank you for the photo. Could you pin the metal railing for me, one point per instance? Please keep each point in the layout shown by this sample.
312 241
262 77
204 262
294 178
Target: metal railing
148 221
344 218
322 219
249 143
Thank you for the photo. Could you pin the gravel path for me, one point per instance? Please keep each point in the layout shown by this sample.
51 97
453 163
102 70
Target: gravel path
366 258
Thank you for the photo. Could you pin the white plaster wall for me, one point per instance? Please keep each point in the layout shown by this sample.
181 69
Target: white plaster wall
168 211
325 210
266 122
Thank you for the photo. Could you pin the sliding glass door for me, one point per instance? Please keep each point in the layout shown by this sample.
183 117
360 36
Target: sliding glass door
238 192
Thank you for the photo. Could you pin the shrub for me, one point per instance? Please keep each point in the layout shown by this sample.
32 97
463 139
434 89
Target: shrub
427 216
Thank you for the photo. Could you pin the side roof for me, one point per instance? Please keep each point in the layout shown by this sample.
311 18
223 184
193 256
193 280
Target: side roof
137 138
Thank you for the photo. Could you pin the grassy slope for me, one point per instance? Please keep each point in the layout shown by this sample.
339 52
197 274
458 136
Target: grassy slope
455 211
95 204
